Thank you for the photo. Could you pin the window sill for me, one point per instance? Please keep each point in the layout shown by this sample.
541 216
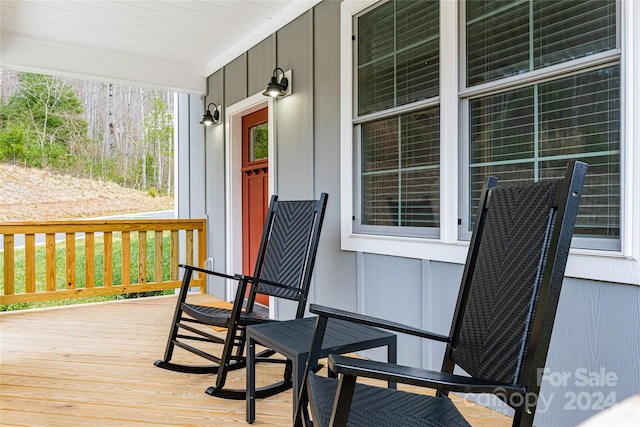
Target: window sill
590 265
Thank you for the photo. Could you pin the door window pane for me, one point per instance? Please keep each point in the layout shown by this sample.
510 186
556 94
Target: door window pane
259 142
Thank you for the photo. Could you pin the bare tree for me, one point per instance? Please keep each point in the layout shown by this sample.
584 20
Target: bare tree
115 145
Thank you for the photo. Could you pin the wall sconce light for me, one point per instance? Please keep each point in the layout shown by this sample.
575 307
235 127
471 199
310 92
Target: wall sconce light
211 119
279 89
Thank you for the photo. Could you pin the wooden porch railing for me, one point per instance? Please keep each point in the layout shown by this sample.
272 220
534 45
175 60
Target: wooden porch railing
190 232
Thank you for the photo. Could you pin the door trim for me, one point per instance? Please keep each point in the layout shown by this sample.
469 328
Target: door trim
233 178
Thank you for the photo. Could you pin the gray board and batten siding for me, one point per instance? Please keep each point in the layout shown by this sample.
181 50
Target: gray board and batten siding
597 324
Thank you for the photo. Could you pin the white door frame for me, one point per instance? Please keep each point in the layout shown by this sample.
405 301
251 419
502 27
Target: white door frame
233 177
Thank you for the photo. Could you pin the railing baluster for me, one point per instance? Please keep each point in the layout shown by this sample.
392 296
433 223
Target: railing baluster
157 257
189 245
71 260
89 260
142 257
51 261
9 258
108 259
175 246
126 258
30 263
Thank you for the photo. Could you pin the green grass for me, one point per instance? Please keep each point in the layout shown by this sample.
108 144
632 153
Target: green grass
20 267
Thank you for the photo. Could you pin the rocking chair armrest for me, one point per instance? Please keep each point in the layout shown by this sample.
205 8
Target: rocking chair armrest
258 281
205 271
353 367
239 277
375 322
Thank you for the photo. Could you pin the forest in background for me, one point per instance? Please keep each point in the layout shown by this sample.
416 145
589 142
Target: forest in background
100 131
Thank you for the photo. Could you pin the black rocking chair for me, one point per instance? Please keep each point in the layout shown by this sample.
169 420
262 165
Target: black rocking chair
501 325
284 266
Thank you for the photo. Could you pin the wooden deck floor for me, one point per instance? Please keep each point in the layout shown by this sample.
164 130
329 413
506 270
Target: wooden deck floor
92 365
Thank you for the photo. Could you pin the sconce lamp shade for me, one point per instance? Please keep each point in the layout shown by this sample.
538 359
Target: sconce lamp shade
275 88
211 119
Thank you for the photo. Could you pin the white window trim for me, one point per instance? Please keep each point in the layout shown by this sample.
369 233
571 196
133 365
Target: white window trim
617 267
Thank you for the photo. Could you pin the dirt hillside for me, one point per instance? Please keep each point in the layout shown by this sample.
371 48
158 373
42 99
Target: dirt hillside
28 194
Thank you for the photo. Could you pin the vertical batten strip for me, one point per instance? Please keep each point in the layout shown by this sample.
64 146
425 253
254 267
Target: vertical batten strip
89 260
126 258
51 261
108 258
30 262
174 247
142 257
70 244
157 256
9 260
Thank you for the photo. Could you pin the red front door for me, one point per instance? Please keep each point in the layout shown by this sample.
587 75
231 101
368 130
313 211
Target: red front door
255 187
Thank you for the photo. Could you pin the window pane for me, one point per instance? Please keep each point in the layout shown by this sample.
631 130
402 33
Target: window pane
531 134
416 22
417 44
378 194
376 59
417 73
401 170
599 212
375 86
502 127
380 146
510 173
398 55
374 43
420 134
580 117
497 42
580 114
572 29
511 37
420 201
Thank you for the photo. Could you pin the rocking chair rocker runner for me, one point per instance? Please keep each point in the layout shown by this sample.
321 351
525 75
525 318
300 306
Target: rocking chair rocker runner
284 266
501 325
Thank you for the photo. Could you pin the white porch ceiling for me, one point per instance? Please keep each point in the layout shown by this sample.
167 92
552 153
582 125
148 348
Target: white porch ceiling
160 43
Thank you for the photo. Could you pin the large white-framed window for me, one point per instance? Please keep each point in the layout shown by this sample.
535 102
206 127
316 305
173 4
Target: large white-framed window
396 119
541 87
524 86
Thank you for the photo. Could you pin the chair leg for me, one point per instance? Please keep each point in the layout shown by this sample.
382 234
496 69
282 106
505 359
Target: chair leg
236 340
233 356
173 337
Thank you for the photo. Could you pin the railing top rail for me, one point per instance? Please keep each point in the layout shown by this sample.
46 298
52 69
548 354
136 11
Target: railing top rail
99 225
